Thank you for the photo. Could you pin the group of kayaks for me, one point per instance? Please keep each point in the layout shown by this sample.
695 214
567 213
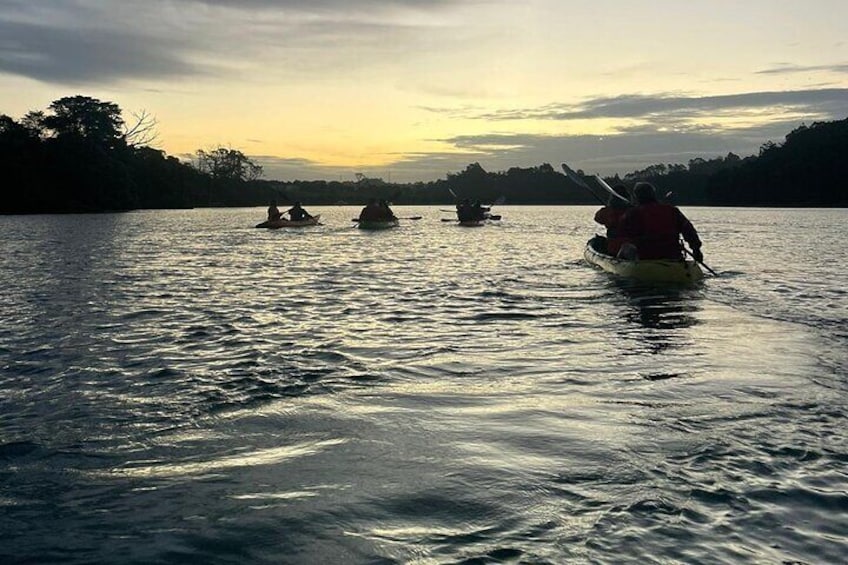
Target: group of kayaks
682 271
361 224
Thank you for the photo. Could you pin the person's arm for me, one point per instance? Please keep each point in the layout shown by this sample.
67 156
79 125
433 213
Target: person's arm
600 216
690 234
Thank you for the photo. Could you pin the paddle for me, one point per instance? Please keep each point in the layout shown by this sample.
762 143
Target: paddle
609 189
701 263
500 200
576 179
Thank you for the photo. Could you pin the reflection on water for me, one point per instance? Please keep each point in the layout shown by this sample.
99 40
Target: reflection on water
177 386
659 314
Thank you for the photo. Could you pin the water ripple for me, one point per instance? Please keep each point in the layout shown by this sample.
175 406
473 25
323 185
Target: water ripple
176 386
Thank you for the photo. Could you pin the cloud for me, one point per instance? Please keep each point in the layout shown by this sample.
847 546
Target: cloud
661 128
668 108
73 57
625 152
788 68
88 41
333 5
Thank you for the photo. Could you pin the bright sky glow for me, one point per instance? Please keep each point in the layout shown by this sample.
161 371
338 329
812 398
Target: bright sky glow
413 89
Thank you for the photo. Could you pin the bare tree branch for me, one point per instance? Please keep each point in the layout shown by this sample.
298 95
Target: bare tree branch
143 131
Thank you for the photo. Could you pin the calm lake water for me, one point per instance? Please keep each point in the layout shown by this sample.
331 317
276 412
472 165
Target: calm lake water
178 387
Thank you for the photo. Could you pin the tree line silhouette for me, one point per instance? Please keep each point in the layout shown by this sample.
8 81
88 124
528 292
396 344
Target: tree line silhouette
82 156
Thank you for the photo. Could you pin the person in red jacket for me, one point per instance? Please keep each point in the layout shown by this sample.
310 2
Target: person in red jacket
656 228
611 216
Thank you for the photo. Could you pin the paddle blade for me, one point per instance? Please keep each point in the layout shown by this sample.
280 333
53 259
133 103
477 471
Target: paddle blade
574 176
609 189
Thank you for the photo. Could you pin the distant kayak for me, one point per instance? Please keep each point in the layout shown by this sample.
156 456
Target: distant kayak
284 223
473 223
377 224
667 271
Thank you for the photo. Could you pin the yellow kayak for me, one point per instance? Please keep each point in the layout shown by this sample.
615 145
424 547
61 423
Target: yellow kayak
667 271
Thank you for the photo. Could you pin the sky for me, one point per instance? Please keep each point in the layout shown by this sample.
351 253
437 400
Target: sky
411 90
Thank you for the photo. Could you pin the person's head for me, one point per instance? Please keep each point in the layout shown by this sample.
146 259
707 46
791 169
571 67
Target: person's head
297 204
273 202
372 201
644 192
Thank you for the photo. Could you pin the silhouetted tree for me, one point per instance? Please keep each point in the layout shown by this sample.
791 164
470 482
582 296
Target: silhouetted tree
224 164
87 118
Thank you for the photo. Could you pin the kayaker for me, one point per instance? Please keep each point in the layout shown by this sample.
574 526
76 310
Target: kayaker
297 213
479 212
386 211
273 212
610 216
464 212
655 228
372 212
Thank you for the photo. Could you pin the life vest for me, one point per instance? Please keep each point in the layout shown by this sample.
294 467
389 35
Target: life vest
655 229
612 217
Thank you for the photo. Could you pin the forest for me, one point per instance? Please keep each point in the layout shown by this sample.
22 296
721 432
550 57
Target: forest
81 155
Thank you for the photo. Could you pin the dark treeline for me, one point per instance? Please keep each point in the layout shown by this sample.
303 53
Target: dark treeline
534 185
81 156
808 169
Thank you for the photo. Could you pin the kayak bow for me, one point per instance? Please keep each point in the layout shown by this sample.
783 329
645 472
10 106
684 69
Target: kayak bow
377 224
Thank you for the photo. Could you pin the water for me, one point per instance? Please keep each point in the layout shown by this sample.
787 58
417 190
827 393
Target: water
178 387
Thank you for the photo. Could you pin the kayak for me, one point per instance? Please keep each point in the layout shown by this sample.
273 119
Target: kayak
477 223
665 271
377 224
284 223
